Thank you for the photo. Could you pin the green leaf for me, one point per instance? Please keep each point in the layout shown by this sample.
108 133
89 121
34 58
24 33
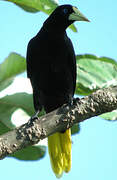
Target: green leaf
30 153
13 65
110 116
26 8
73 28
46 6
75 129
94 73
3 128
11 103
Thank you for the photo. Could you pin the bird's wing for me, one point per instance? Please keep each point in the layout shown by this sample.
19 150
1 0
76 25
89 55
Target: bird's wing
30 57
32 69
71 61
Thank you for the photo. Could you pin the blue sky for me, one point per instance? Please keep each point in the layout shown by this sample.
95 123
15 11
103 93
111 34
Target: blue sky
94 149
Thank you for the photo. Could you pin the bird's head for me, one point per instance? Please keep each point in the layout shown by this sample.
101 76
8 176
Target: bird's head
65 15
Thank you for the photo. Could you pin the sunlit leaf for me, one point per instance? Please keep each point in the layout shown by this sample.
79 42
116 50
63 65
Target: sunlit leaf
110 116
94 73
13 65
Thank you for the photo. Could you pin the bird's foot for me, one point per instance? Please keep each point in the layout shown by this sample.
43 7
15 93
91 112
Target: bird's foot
35 116
70 102
75 100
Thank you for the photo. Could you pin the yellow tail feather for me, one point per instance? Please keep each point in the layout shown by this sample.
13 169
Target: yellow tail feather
66 149
59 147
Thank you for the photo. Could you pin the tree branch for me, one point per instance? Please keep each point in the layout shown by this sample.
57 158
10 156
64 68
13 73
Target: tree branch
99 102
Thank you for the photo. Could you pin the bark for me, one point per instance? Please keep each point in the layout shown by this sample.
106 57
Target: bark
99 102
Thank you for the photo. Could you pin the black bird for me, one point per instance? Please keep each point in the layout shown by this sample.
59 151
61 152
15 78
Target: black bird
51 67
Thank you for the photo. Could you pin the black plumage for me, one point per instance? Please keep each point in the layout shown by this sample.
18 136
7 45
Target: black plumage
51 63
51 67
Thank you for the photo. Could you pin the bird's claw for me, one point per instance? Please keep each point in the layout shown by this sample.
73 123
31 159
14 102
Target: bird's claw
75 100
35 116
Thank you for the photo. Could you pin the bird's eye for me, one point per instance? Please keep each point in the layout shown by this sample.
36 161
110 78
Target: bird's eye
65 11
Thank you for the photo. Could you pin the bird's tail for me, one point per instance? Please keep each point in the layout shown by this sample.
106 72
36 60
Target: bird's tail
59 147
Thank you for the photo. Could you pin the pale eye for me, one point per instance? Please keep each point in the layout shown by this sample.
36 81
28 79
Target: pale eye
65 11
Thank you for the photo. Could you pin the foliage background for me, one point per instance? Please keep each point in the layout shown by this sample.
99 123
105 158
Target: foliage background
94 148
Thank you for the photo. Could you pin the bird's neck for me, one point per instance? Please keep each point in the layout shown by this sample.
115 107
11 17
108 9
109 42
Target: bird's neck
54 26
53 32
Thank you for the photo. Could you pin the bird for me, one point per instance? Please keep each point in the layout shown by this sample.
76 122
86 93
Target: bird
51 68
